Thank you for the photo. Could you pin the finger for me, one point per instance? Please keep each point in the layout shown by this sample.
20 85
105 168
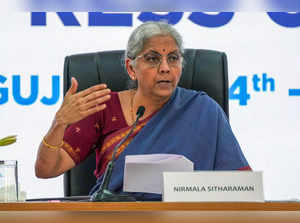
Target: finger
94 103
97 95
73 88
92 89
93 110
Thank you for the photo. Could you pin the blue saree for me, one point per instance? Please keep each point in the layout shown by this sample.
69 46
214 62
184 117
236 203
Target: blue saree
190 124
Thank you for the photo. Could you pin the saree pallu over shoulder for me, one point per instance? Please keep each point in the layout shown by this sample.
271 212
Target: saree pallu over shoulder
190 124
104 155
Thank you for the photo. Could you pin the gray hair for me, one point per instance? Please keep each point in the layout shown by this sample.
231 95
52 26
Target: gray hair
143 33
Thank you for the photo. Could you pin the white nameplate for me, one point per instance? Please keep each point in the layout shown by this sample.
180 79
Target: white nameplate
213 186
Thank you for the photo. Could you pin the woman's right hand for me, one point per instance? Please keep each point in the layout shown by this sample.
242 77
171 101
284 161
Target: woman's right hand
77 106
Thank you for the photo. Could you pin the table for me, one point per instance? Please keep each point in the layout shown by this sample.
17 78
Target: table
146 212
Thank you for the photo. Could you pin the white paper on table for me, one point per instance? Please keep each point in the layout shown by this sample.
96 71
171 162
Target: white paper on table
144 173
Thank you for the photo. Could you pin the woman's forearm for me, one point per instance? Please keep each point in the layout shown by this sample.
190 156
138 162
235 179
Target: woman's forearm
51 159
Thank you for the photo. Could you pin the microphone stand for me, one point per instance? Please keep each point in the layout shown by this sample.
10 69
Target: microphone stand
103 193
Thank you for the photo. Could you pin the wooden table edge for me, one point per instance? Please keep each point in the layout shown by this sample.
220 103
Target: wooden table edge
150 206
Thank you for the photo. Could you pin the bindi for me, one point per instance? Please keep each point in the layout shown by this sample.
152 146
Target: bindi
164 50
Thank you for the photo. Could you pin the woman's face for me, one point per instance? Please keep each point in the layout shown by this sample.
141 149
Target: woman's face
158 67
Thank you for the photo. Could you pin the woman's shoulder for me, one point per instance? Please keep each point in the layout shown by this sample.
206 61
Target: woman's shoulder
189 94
198 98
112 115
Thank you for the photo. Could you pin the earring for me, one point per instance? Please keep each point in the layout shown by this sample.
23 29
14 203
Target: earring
133 77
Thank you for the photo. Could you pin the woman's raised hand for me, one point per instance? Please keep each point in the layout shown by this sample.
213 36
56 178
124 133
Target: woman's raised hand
77 106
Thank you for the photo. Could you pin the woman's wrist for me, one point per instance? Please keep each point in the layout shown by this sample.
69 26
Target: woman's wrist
54 138
51 146
59 122
56 131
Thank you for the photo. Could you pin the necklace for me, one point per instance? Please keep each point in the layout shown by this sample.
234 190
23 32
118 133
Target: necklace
131 106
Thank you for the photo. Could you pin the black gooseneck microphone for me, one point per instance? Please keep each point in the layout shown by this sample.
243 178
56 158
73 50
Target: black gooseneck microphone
103 194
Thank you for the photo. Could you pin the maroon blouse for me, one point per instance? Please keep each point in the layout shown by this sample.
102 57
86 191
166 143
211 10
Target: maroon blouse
82 137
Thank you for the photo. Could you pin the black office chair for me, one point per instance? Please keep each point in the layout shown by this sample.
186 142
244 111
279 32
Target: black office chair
204 70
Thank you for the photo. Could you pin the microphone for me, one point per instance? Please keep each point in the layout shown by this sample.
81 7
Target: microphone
103 194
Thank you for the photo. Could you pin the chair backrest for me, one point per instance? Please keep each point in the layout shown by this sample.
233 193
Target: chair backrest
204 70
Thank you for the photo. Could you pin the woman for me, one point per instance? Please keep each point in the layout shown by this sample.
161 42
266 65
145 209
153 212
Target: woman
175 121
